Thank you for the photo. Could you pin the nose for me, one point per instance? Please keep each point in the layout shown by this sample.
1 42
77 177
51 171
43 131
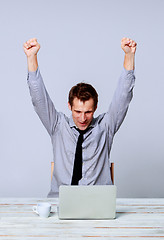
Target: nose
83 117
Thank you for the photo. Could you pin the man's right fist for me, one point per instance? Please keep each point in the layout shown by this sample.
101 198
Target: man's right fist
31 47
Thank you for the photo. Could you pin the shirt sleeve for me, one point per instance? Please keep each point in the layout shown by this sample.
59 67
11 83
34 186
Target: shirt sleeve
121 99
42 103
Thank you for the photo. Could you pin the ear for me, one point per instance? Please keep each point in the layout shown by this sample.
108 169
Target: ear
69 106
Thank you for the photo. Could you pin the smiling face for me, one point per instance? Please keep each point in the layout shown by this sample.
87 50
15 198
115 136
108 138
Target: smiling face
82 112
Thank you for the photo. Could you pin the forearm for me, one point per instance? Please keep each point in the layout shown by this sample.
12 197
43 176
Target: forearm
129 61
32 63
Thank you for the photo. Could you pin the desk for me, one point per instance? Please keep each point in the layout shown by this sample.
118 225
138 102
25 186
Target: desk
135 219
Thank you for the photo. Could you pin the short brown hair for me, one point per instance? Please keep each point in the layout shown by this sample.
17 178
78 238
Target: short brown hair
84 92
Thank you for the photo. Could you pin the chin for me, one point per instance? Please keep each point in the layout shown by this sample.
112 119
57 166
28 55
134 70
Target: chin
83 128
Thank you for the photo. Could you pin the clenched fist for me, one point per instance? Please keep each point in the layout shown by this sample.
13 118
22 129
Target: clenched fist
31 47
128 45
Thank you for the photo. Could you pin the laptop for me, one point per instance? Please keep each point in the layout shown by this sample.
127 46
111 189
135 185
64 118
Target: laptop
87 202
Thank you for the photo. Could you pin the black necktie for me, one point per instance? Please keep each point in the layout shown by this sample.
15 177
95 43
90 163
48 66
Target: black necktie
77 169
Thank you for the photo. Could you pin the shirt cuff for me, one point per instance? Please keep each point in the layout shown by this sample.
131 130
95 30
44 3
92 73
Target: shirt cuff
34 73
127 71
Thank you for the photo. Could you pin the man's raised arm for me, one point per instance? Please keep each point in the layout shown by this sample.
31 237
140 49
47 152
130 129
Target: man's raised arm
124 91
43 105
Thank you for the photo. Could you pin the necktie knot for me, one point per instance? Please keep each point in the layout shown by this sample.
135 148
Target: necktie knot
82 132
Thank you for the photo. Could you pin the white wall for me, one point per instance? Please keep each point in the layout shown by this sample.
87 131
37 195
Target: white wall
80 40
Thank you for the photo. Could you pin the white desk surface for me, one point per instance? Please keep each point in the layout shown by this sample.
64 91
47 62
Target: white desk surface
135 219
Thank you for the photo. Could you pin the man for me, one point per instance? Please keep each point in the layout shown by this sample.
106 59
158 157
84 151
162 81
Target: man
81 143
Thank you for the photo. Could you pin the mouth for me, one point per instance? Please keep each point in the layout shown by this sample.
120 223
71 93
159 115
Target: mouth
83 124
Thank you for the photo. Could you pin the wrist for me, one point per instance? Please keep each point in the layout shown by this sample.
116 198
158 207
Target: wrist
32 57
130 55
32 63
129 61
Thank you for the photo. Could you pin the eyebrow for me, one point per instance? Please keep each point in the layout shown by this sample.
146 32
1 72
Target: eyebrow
81 111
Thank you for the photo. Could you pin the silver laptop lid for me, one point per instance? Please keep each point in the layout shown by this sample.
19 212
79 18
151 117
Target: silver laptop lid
87 202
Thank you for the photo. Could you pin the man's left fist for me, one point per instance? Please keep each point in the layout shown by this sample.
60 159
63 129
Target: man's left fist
128 45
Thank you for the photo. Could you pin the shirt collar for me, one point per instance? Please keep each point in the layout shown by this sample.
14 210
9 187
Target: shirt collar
71 122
